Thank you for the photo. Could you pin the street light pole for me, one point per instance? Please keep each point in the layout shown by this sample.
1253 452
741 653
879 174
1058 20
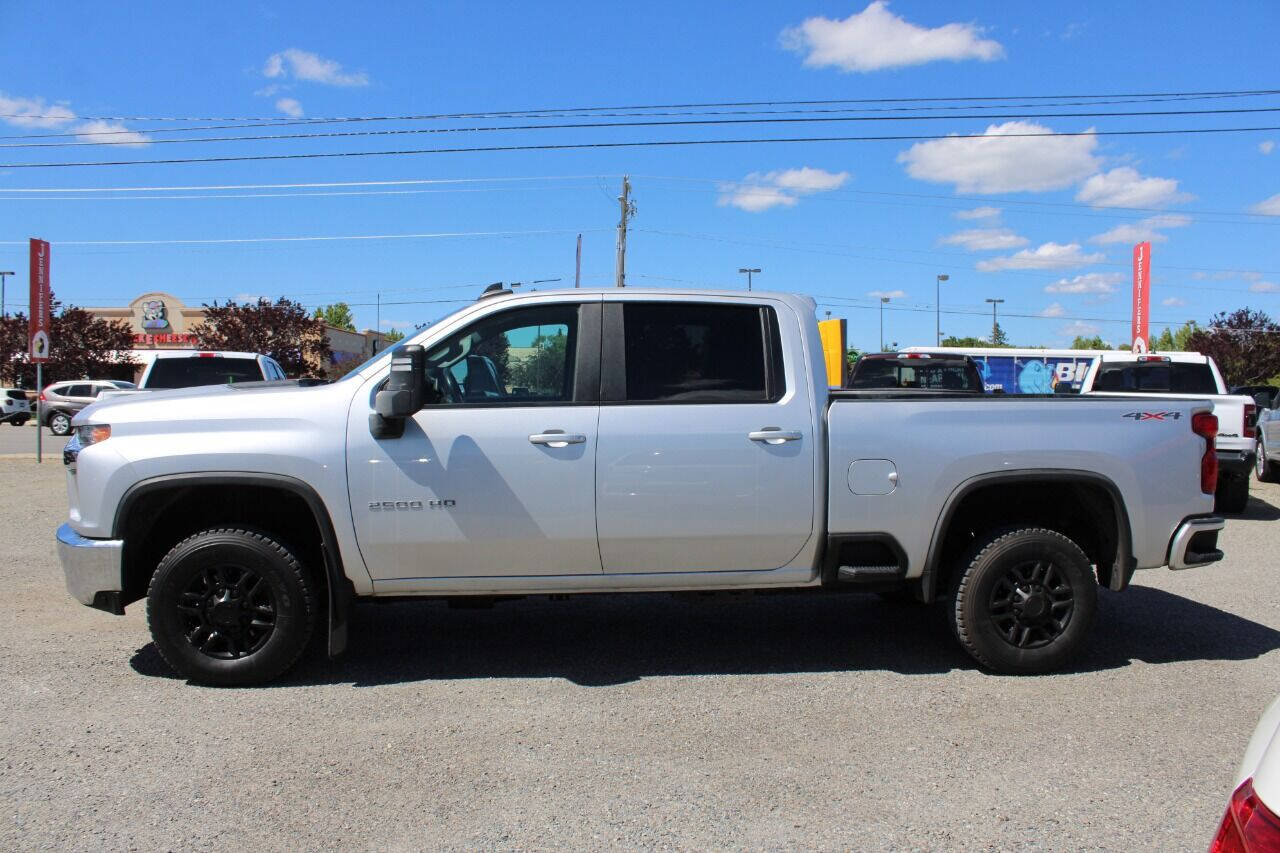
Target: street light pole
937 308
4 311
749 271
995 324
883 300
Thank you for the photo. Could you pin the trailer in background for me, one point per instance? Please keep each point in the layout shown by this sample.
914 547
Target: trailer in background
1025 371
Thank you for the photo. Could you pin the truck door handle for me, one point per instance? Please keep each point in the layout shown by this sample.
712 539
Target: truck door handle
557 438
775 435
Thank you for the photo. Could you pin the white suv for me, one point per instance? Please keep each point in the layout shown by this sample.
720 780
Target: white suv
14 406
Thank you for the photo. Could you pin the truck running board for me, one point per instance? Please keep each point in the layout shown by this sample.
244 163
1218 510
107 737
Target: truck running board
869 574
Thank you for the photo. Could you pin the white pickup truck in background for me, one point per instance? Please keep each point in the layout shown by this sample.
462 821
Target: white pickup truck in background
1189 376
635 440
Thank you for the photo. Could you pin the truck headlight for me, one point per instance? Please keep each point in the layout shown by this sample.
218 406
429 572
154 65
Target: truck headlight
92 434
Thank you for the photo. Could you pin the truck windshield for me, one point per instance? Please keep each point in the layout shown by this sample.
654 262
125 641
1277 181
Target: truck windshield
190 372
1155 377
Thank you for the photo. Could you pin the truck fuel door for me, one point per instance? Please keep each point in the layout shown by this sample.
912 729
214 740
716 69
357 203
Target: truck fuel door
872 476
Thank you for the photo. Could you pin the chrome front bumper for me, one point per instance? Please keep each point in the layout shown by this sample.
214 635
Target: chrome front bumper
92 569
1196 543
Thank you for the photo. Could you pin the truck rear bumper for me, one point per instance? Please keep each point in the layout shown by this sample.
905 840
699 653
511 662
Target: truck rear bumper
1195 543
1235 463
92 569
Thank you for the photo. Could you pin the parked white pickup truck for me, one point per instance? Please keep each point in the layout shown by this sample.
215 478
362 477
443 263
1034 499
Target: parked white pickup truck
615 441
1189 376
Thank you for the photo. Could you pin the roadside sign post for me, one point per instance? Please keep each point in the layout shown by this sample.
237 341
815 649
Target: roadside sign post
1140 332
38 329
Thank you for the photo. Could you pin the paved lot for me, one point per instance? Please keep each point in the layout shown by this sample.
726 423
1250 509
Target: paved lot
22 440
787 721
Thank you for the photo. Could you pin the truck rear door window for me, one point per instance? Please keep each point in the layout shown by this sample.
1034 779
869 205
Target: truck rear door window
682 352
197 370
1155 377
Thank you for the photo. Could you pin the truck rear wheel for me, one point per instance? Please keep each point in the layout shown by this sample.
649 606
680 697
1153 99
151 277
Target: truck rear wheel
1024 602
1232 494
230 607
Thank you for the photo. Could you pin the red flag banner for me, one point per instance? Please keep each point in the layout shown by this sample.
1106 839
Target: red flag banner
1141 296
38 325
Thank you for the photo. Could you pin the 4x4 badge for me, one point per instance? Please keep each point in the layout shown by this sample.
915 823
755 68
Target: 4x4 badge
1152 416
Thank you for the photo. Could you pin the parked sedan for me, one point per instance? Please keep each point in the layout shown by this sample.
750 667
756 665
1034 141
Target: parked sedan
1252 821
14 407
62 400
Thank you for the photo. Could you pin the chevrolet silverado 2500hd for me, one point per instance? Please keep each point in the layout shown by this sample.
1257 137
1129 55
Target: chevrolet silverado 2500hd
618 441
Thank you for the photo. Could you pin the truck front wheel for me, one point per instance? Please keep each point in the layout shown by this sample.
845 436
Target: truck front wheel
231 607
1024 601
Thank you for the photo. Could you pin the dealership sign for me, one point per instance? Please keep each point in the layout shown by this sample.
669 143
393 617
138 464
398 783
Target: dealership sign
38 325
1141 296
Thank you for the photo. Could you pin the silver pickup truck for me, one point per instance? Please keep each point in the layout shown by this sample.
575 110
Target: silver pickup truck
621 441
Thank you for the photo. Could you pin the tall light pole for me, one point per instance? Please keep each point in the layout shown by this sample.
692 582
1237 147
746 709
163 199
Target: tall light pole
749 271
4 312
883 300
937 308
995 324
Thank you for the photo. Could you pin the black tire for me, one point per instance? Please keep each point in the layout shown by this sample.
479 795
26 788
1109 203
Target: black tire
231 607
1263 468
60 423
1232 495
19 422
1044 628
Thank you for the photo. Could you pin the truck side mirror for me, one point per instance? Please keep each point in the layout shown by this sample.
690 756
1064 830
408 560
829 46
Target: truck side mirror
404 394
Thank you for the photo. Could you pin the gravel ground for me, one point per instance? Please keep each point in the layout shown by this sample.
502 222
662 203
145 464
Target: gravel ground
636 721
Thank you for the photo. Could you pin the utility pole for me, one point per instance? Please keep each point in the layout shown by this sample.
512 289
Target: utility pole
883 301
4 311
377 327
749 272
577 265
995 324
628 210
937 308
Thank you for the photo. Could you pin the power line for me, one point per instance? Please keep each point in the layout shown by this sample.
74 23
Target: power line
233 240
638 144
406 182
700 122
982 98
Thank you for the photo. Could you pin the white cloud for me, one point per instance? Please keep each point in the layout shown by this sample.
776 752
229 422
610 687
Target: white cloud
1264 287
1267 146
312 68
887 294
978 213
875 38
1123 186
1172 302
761 191
1047 256
1093 282
1268 207
1004 159
1146 229
984 239
112 132
33 112
1054 310
290 107
1079 329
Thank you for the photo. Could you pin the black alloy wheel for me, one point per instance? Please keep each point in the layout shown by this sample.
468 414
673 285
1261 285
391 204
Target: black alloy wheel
1023 600
230 611
1032 604
230 606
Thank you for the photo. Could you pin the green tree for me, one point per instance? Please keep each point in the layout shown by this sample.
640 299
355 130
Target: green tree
337 315
1163 342
967 343
998 337
280 329
1244 343
543 369
393 335
1095 342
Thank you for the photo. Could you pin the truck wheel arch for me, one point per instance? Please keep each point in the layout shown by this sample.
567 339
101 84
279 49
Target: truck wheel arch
1114 575
340 591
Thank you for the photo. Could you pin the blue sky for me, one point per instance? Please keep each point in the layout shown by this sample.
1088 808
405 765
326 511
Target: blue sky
1045 223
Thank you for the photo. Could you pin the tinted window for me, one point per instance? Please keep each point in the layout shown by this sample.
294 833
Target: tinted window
516 357
79 391
1155 377
121 384
213 370
915 373
686 352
